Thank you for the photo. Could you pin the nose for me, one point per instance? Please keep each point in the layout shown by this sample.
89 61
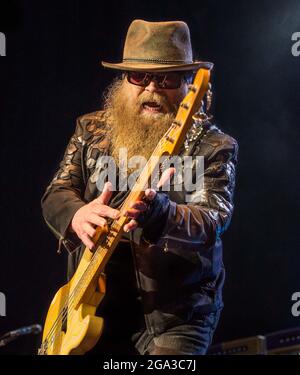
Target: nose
152 87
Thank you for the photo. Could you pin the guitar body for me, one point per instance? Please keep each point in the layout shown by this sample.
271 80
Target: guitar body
81 329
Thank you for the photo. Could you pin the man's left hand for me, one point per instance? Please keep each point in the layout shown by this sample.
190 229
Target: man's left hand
140 210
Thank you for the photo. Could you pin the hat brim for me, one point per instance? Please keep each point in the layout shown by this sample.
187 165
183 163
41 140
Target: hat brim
146 67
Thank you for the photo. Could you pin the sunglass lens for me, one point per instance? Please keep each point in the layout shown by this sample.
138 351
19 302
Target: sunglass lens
136 78
164 81
171 81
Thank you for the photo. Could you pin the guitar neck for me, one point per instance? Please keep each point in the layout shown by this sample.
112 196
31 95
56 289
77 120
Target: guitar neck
169 145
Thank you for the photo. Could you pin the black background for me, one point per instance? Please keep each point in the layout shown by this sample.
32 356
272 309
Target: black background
51 75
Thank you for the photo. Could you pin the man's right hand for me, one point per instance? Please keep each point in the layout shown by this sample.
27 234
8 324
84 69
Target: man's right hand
92 215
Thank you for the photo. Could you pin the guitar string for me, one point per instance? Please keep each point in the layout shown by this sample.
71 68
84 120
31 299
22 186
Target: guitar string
69 303
68 306
64 312
52 334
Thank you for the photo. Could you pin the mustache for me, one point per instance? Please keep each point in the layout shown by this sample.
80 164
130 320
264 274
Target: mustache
156 98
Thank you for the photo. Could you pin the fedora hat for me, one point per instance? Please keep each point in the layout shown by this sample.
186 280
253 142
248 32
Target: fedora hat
158 46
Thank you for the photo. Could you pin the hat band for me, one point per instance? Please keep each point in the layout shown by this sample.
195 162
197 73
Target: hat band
160 61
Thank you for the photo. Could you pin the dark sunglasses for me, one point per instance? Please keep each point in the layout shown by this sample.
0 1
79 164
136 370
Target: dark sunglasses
170 80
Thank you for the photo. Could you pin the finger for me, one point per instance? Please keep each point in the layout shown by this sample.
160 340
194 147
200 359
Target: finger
96 219
87 228
133 224
150 194
166 176
87 241
139 205
106 193
132 213
106 211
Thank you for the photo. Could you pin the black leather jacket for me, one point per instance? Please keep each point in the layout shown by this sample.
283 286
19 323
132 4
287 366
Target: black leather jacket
182 274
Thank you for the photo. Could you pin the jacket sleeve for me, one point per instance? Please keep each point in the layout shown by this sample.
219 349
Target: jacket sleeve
209 211
64 196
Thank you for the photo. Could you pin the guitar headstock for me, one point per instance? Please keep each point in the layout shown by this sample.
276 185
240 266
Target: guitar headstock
188 107
197 90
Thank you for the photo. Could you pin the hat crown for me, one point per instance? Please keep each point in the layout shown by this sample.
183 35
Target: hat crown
158 47
158 42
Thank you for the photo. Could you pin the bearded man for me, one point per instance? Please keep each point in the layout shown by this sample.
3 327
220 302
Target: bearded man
165 279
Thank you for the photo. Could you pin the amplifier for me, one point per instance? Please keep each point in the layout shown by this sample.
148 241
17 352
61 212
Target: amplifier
284 342
245 346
